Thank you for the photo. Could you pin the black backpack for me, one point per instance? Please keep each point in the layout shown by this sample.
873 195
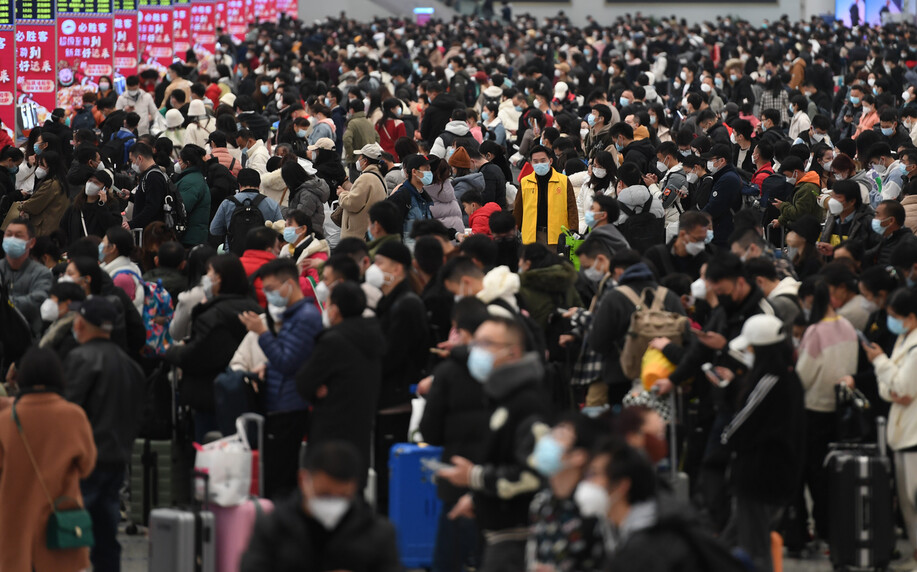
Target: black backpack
245 217
642 229
175 216
115 150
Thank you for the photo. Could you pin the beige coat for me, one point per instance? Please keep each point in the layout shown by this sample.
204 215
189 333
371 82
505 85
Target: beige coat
46 206
60 437
909 202
366 191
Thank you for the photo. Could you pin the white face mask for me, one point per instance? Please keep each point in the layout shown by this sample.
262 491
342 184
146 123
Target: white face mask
329 511
92 189
583 133
699 289
49 310
695 248
591 500
375 276
661 167
711 167
322 292
599 172
835 206
41 173
692 178
276 312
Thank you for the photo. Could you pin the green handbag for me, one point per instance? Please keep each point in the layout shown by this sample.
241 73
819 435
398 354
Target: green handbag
71 528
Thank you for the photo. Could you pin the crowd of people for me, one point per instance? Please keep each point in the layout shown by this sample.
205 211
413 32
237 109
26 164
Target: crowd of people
566 239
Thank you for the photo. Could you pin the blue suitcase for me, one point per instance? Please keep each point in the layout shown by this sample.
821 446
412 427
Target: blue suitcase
413 505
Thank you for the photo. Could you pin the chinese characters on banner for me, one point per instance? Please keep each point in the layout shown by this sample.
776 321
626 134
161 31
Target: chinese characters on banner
237 24
7 69
265 10
203 30
34 61
154 35
126 37
220 15
181 35
288 7
85 46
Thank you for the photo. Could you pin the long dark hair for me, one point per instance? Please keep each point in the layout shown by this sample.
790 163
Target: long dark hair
607 162
233 279
56 170
197 263
388 111
499 153
193 156
816 287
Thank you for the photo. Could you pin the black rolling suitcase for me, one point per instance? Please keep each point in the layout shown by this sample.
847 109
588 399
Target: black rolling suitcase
861 533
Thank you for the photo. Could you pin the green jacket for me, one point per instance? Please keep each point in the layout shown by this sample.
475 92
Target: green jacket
544 290
804 201
373 245
196 195
360 131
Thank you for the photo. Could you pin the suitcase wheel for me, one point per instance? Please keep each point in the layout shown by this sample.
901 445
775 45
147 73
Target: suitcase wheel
131 530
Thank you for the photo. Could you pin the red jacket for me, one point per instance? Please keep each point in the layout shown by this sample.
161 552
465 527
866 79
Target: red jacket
252 260
214 93
391 131
480 219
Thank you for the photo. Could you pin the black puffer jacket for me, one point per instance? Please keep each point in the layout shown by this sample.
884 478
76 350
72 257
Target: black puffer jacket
403 318
455 416
642 153
216 332
437 116
288 540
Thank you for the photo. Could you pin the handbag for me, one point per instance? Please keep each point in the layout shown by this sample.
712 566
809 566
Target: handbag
854 414
11 215
66 529
228 464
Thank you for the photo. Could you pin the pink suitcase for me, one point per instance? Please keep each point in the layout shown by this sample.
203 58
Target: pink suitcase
234 527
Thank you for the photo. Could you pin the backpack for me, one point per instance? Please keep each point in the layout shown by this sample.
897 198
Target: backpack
175 216
117 149
245 217
646 323
642 229
156 315
751 193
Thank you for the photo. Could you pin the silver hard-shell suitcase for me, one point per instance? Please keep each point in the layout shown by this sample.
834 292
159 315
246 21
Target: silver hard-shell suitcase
182 540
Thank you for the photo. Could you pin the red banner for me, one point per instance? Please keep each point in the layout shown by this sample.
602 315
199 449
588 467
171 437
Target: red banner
35 85
181 25
288 7
154 37
85 46
265 10
7 81
219 19
203 30
126 36
236 21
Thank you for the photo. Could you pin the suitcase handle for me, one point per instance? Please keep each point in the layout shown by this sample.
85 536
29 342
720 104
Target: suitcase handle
258 420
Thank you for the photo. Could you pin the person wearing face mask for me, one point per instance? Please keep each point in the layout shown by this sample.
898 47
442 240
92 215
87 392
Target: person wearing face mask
92 212
817 133
888 224
174 81
909 120
763 436
344 392
799 121
545 202
403 317
195 193
726 195
287 351
216 332
869 118
46 205
599 138
254 152
672 184
687 252
359 133
59 311
804 200
848 218
140 102
879 157
260 249
199 125
412 200
781 292
305 248
325 525
895 386
892 134
562 538
700 182
501 485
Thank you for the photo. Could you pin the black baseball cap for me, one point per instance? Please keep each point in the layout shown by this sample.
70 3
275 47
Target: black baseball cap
99 311
717 151
415 161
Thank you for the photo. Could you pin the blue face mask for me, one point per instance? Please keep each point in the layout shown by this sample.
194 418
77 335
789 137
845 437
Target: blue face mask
624 101
619 147
14 247
877 226
480 363
426 178
15 169
290 235
449 152
590 119
718 82
547 458
854 100
709 238
887 131
519 108
895 325
265 89
275 298
101 252
36 148
542 169
589 217
327 102
301 133
369 235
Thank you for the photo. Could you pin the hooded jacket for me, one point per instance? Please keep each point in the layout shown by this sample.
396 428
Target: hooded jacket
310 198
454 130
804 201
437 115
347 360
642 153
479 220
366 191
544 290
469 182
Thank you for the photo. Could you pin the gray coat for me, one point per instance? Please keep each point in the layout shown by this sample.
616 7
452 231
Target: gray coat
30 287
310 197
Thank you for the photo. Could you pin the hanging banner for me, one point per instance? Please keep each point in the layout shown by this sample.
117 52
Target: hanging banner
181 26
85 45
236 22
34 56
219 18
203 31
288 7
125 37
154 35
265 10
7 69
